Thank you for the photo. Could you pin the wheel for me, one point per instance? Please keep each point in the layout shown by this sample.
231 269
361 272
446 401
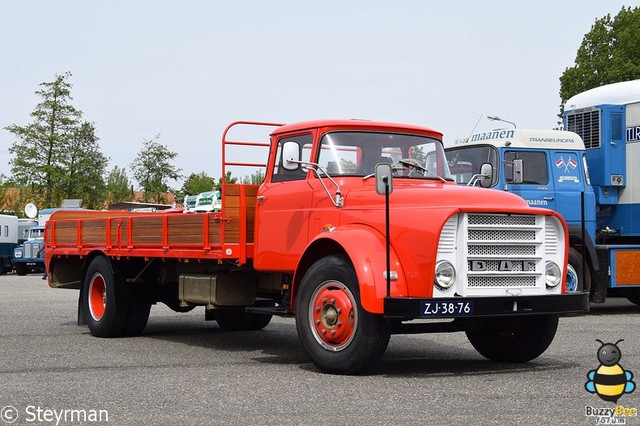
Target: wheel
21 269
259 321
104 300
174 305
335 332
632 294
574 273
518 339
234 319
137 319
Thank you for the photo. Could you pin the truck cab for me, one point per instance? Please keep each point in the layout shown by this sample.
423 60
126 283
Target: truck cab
547 168
29 256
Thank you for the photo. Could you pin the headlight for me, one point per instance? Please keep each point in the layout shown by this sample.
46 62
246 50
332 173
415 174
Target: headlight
17 254
445 275
552 275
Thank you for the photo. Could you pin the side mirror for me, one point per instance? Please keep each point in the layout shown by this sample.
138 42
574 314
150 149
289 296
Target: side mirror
486 175
290 151
518 171
384 178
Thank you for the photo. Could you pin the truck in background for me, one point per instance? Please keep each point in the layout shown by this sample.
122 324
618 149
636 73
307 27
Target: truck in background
8 241
608 120
545 167
352 247
29 256
586 173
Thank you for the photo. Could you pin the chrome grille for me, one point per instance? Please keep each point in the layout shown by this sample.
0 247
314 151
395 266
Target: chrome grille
503 251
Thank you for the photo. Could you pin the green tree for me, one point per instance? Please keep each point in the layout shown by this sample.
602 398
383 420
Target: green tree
227 179
57 155
255 178
195 184
609 53
153 169
118 187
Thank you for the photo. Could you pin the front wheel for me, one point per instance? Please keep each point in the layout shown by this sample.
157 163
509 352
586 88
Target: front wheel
575 280
21 269
334 330
519 339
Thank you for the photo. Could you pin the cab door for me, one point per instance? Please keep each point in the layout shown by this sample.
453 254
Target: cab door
536 186
282 212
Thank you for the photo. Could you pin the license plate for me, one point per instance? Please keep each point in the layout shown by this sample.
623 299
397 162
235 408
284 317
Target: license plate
455 308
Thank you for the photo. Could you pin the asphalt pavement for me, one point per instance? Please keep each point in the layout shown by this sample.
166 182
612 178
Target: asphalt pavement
186 371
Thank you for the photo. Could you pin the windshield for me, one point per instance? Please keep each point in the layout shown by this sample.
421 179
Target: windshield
466 162
357 153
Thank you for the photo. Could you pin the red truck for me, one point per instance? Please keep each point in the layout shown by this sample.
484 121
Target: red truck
358 230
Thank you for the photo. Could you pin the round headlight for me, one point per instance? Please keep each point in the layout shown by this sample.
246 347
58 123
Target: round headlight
552 275
445 275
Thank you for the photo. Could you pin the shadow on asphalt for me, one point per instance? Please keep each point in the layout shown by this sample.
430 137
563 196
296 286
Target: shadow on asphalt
405 357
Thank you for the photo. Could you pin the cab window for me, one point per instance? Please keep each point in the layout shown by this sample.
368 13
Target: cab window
534 166
280 174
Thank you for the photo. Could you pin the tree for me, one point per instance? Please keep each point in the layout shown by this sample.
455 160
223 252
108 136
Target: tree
118 187
609 53
195 184
227 179
153 170
254 178
57 155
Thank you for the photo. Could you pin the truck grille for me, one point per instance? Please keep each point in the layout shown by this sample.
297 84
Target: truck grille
587 125
32 249
502 250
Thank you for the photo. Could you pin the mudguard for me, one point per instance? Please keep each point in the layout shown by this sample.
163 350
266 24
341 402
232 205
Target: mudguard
366 248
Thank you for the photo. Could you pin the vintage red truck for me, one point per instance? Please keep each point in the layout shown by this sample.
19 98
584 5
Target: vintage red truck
317 240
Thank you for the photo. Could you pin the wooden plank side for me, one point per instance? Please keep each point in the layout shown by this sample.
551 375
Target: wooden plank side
94 231
147 230
186 229
66 232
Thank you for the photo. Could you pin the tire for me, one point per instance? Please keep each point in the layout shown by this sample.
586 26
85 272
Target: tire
104 299
335 331
137 319
234 319
575 281
259 321
174 305
632 294
21 269
519 339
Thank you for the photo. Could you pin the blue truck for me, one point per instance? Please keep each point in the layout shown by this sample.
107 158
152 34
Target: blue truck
585 172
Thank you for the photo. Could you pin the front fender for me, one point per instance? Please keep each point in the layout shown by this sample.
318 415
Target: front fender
366 248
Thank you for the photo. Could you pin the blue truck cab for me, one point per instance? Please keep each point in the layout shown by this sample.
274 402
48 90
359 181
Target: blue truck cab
547 168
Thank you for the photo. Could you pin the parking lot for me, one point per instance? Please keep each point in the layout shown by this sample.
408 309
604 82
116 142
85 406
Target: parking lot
183 370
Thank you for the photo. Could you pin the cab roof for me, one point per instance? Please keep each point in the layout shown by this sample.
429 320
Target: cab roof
365 125
524 138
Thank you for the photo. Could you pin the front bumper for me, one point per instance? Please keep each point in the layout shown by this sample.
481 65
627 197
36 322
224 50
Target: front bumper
565 304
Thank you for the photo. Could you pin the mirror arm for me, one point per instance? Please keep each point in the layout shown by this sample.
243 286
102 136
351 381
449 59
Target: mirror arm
339 201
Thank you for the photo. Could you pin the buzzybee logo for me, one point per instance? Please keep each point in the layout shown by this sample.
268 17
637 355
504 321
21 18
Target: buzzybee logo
609 381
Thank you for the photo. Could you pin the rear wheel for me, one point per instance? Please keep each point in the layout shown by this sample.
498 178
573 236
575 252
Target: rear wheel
234 319
519 339
109 308
104 303
334 329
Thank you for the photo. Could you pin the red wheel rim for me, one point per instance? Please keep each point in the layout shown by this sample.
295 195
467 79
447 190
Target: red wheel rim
97 297
333 316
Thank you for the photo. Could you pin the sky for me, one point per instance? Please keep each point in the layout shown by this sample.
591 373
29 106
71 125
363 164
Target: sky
183 70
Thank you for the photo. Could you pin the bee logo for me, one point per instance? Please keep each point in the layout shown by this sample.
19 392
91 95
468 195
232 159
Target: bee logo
609 381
